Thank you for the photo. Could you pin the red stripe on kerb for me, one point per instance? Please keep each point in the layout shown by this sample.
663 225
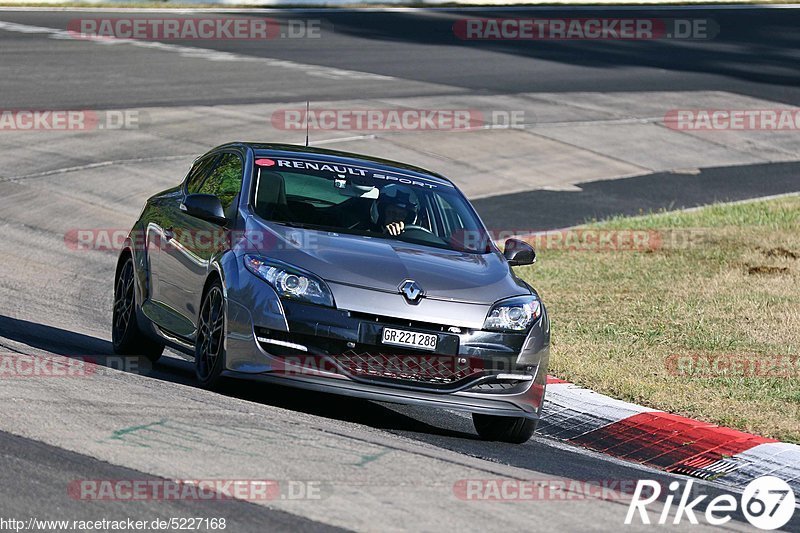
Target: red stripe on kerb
553 379
668 441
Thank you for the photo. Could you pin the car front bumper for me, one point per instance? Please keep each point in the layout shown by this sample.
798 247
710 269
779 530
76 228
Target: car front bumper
340 351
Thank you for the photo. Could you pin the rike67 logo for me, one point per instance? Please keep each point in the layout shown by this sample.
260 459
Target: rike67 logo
767 503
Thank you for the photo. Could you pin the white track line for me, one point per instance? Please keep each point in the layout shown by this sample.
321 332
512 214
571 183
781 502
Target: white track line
202 53
571 411
98 164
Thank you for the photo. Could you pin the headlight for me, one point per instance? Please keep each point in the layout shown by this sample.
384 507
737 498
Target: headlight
290 282
514 314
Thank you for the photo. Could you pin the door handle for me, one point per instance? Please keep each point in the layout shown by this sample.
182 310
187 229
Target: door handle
169 234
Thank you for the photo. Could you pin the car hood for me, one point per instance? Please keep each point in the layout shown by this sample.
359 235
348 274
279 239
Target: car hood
383 264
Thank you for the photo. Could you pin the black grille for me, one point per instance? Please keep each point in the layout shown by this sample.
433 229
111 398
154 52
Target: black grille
402 322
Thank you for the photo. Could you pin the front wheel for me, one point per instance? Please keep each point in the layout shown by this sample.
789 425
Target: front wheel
126 337
504 428
209 352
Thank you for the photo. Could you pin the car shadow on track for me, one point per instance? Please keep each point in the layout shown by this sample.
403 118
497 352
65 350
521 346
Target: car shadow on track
178 370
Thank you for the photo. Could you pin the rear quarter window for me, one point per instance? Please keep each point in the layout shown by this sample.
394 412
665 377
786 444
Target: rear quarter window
198 173
225 181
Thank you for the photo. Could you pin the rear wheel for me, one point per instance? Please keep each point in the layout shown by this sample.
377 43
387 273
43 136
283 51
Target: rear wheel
504 428
126 337
209 353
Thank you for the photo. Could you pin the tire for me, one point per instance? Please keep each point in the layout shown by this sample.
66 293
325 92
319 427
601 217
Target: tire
126 337
504 428
209 348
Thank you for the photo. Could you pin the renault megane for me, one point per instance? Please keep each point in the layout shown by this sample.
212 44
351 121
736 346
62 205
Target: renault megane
339 273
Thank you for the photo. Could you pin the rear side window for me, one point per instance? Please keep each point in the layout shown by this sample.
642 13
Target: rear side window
225 181
198 173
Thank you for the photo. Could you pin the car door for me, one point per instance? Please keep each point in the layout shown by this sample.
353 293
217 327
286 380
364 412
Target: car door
161 224
194 242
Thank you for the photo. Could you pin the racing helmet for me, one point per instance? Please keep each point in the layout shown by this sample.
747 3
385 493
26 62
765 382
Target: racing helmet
397 195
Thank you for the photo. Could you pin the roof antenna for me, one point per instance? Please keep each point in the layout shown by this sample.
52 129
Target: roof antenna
308 104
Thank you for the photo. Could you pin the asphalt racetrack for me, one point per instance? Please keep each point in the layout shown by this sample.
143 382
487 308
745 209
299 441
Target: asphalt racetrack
590 142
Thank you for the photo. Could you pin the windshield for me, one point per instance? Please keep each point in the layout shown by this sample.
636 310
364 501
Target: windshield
365 201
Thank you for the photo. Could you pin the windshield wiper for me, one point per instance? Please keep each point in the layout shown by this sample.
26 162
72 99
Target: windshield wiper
303 225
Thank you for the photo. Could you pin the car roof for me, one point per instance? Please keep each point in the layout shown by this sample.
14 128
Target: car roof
336 156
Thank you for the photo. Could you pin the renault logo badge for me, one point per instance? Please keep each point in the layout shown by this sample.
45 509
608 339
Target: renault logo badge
411 290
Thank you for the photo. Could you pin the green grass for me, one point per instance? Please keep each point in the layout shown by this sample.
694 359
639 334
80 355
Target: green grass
732 290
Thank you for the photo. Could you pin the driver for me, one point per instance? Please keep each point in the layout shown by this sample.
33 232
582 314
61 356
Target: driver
395 208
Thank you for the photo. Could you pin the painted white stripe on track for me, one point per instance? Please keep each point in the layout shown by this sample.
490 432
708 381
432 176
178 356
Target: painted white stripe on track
202 53
570 411
779 459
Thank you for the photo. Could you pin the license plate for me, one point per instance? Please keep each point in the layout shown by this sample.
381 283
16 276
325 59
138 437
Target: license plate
410 339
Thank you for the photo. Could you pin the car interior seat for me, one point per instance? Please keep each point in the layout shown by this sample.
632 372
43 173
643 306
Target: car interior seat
270 201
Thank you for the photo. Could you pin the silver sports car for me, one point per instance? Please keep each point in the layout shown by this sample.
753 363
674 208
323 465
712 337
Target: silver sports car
339 273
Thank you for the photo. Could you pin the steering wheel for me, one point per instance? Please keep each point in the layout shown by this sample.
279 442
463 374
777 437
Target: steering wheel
414 226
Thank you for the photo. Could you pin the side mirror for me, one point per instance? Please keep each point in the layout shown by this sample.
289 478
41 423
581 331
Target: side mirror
519 252
205 206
